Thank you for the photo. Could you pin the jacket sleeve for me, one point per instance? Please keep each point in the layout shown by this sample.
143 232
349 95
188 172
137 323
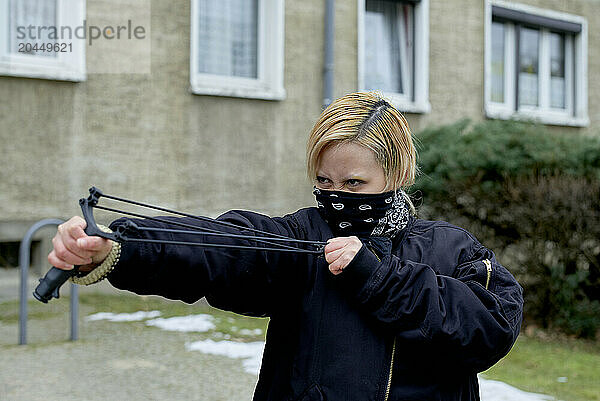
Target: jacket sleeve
243 281
467 320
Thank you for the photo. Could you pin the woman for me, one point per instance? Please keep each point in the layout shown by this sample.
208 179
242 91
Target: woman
398 309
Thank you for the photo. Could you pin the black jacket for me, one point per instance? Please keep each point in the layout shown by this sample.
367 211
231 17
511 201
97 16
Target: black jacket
413 318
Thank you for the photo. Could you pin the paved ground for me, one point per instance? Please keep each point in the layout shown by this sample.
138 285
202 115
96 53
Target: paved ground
111 361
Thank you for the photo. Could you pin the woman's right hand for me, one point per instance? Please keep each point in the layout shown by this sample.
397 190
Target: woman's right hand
72 246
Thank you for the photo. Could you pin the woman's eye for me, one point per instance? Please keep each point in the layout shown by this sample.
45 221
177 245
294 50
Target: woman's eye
322 180
354 183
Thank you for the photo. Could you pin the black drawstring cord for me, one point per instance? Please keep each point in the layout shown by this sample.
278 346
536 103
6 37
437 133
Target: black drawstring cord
179 224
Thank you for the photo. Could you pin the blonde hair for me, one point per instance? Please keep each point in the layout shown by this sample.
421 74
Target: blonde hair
367 119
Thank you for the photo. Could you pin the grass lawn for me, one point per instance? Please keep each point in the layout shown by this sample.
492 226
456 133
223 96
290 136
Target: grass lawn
564 368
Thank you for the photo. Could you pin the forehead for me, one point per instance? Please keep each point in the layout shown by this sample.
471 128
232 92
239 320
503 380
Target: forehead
347 155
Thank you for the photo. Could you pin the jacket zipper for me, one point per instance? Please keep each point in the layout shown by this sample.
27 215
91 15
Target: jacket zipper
389 381
488 266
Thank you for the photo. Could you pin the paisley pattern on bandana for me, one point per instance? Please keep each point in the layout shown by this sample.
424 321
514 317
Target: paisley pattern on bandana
364 215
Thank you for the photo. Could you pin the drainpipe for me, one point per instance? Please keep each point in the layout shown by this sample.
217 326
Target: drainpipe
329 41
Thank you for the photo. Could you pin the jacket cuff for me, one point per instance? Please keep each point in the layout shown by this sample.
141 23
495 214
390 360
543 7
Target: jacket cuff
358 271
118 276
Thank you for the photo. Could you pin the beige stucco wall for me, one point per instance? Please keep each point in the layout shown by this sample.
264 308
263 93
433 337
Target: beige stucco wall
145 136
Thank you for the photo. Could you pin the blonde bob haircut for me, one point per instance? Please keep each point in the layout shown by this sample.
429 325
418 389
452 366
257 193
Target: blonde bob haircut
367 119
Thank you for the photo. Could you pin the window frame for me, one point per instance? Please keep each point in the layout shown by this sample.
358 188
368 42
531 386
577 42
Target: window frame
418 101
66 66
575 112
269 83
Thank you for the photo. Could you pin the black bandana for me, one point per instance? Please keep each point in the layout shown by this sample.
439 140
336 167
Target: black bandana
363 215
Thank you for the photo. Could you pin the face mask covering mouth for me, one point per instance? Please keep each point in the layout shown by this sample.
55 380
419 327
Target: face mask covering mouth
363 215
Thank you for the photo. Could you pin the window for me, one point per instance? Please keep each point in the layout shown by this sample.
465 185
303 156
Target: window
393 51
237 48
28 26
536 63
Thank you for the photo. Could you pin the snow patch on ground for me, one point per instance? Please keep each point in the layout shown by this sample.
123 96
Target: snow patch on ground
250 353
248 332
195 323
492 390
123 317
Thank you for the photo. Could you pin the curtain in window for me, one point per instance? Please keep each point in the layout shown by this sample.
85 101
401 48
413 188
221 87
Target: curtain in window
497 84
32 17
557 70
388 49
528 66
228 37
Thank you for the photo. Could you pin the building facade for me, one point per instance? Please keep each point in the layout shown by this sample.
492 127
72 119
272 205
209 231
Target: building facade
205 105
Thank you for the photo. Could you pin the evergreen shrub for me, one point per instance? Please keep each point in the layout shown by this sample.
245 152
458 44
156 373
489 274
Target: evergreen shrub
533 196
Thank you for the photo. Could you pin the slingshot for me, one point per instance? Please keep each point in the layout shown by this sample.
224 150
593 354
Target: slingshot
266 241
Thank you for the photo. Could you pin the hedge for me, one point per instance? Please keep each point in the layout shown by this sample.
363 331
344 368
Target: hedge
533 196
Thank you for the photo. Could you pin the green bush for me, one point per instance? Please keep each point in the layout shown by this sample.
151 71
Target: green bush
533 196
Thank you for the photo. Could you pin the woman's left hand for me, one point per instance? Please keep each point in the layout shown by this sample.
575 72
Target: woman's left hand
340 251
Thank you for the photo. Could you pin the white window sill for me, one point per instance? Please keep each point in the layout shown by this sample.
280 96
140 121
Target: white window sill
41 72
549 118
407 106
413 107
247 93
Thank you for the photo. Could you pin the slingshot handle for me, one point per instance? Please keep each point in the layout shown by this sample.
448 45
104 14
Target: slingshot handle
51 282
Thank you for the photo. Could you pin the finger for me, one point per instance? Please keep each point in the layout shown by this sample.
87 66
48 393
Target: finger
92 244
72 246
64 254
336 243
72 230
64 228
56 262
76 231
338 266
331 256
336 272
341 262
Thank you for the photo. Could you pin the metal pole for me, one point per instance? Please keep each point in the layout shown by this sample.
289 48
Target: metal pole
329 44
74 312
24 261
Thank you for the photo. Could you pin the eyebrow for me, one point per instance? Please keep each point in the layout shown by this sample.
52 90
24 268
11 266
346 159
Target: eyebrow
350 177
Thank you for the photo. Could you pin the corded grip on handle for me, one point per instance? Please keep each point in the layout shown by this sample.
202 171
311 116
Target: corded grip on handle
51 282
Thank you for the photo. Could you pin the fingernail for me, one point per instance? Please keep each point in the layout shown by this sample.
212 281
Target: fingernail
81 242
